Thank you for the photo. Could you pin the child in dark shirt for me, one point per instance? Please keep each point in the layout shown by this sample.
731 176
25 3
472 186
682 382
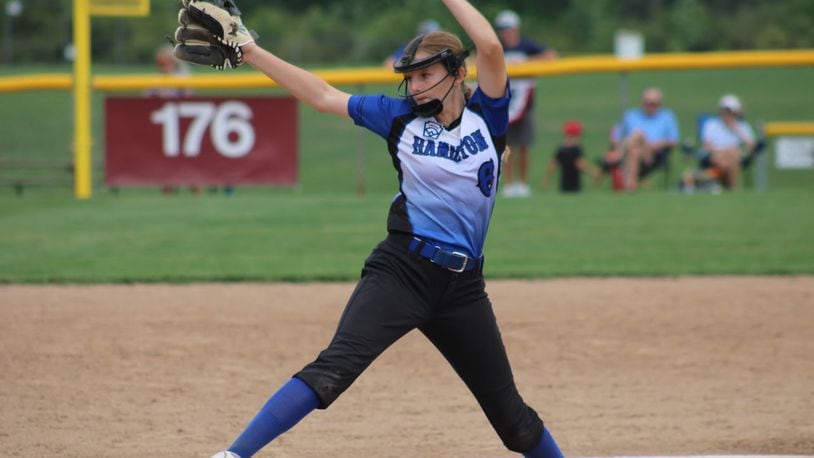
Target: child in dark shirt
569 159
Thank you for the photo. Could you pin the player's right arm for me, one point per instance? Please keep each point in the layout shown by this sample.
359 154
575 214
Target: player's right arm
302 84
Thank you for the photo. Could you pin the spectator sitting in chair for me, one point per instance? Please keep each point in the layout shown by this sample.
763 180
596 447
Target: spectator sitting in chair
645 137
726 139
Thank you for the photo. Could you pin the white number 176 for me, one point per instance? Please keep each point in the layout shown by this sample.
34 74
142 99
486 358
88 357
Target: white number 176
224 120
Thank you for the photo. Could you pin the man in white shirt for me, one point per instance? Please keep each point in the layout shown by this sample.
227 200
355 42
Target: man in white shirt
726 138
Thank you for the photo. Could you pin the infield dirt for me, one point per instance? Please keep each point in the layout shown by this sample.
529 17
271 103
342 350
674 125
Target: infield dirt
614 366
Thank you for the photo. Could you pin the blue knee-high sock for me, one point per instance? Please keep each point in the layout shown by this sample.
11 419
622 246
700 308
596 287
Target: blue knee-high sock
290 404
546 448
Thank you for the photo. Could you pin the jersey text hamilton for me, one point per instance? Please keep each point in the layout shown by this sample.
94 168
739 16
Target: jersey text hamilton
470 145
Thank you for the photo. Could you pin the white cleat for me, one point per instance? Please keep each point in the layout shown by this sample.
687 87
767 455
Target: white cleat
225 454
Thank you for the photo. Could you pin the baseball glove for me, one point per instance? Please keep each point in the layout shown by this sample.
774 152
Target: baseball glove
211 33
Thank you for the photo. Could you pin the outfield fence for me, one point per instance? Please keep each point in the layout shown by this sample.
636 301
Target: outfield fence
378 75
365 76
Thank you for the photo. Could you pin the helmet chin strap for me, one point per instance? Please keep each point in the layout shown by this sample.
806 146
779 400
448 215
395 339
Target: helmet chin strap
434 106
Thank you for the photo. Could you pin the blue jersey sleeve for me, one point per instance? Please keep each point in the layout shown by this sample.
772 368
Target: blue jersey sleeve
494 111
376 112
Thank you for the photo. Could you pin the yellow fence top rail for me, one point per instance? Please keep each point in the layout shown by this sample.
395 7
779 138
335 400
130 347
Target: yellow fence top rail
377 75
119 7
61 82
662 62
773 129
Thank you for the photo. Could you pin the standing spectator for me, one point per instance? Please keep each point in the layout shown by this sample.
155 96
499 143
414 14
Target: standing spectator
167 64
518 49
726 138
645 137
570 160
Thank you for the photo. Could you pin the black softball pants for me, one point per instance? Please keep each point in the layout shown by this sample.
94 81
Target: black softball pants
400 291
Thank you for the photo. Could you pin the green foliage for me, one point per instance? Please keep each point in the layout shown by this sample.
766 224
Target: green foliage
581 26
691 25
125 40
365 31
41 32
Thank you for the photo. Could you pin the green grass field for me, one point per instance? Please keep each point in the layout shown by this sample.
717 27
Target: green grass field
323 230
260 235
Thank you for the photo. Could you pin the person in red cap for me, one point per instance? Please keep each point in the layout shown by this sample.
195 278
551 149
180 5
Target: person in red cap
570 160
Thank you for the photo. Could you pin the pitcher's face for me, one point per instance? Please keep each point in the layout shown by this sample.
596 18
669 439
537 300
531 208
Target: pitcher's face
427 83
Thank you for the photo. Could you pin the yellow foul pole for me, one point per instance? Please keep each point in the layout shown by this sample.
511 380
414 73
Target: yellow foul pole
81 96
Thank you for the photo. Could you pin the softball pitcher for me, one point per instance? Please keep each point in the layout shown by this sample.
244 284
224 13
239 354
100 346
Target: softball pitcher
446 144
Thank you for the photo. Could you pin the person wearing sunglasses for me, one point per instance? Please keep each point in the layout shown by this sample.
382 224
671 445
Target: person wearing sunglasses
645 137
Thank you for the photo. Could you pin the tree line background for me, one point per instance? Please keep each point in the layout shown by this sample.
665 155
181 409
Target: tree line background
362 32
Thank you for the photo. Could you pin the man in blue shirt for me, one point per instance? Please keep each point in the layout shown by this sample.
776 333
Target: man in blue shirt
645 137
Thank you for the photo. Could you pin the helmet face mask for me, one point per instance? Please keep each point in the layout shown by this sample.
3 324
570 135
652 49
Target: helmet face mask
405 64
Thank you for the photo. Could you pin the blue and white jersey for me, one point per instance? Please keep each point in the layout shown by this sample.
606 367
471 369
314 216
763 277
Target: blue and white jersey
447 177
